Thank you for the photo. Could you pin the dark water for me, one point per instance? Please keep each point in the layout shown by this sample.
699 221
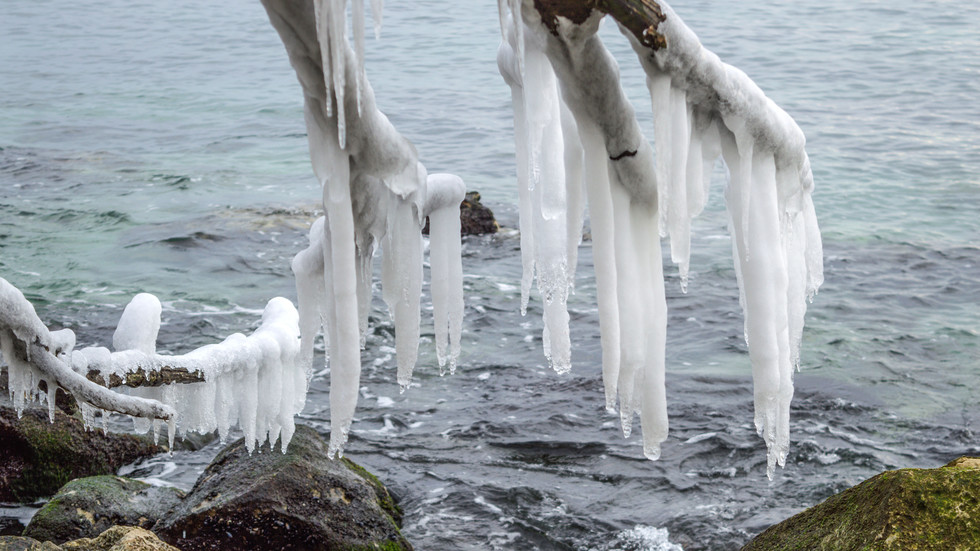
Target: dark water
159 147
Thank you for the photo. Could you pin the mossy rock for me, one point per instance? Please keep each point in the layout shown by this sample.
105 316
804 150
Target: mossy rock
86 507
298 500
17 543
37 456
903 510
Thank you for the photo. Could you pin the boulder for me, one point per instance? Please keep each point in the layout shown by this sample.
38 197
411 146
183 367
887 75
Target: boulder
907 509
17 543
120 538
297 500
37 457
86 507
474 217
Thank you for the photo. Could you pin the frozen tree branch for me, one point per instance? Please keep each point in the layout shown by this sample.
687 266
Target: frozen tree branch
33 354
703 109
212 387
140 376
375 194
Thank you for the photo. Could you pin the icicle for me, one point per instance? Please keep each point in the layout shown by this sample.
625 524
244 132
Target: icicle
321 11
337 24
444 193
507 63
538 129
51 396
402 283
574 190
357 25
307 267
377 7
603 251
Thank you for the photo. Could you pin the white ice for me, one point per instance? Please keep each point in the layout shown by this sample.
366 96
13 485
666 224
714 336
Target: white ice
703 109
375 194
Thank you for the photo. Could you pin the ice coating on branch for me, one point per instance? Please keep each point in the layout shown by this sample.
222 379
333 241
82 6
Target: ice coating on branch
233 371
374 196
703 109
33 354
607 156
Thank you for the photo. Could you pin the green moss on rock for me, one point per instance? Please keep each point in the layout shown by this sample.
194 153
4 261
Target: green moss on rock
296 500
86 507
907 510
37 457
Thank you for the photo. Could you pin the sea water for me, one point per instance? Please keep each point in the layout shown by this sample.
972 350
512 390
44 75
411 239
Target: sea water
160 147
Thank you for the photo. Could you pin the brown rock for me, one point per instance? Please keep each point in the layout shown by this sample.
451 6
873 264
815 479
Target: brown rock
120 538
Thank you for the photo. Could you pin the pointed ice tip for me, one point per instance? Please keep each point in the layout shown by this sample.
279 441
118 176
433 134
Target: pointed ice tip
627 425
652 453
402 387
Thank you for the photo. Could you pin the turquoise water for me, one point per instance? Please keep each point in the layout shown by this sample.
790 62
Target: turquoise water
159 146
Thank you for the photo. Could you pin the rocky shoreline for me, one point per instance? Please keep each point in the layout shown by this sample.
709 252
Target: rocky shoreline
304 501
270 500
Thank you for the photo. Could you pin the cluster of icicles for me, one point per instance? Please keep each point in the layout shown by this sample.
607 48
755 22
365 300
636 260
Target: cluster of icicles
375 193
570 138
578 146
256 382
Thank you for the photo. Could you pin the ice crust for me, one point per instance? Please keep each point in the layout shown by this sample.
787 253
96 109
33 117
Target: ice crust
376 195
703 109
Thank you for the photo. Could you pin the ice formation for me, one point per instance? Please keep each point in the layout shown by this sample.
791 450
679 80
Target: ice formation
254 382
376 194
703 109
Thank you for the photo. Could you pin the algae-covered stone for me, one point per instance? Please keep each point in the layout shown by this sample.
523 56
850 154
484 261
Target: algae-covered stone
17 543
120 538
86 507
903 510
37 457
297 500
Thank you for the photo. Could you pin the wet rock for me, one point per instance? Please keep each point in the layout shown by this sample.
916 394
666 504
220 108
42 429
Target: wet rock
17 543
907 509
474 217
297 500
120 538
38 457
86 507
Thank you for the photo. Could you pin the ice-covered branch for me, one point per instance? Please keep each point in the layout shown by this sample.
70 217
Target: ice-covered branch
703 109
374 195
34 354
219 384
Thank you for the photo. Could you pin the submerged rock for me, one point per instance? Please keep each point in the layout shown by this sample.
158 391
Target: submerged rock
907 509
86 507
297 500
38 457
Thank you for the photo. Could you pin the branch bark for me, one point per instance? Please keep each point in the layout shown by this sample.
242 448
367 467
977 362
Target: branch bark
141 377
640 17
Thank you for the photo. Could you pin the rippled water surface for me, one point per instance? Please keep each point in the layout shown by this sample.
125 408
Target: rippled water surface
159 146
